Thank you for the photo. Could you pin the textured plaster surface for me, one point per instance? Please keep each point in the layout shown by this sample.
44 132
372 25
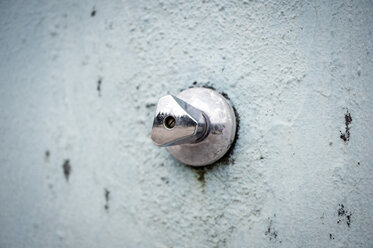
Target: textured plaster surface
79 81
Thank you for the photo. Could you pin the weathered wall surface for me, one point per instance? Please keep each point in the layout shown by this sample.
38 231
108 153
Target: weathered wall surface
79 83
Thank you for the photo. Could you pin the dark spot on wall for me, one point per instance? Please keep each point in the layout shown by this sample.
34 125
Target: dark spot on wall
165 180
200 174
99 82
330 143
66 169
107 198
348 118
271 232
195 83
53 34
47 155
348 222
331 236
359 73
150 105
341 210
343 136
261 157
344 215
358 163
346 135
93 13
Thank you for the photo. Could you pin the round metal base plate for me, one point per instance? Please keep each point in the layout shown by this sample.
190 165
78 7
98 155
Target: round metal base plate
222 128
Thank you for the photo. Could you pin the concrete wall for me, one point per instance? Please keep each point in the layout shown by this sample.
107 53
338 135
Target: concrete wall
79 81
